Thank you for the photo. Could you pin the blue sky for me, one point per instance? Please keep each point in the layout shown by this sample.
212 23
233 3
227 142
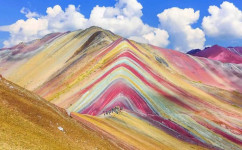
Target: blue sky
10 13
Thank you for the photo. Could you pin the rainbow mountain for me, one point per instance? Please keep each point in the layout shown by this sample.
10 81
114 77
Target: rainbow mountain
139 96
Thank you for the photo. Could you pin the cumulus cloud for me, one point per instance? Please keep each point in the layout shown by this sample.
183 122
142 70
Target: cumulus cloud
178 24
156 37
36 26
123 19
28 13
225 21
26 30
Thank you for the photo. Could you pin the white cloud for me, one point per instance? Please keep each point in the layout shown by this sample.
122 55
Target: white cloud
36 26
28 13
26 30
178 24
70 19
130 8
156 37
123 19
225 21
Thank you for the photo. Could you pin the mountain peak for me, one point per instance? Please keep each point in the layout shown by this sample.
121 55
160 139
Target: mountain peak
216 48
95 27
219 53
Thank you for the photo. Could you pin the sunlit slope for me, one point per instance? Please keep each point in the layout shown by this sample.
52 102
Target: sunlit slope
32 68
135 133
29 122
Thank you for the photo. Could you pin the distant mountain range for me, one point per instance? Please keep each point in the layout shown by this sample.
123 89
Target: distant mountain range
137 96
225 55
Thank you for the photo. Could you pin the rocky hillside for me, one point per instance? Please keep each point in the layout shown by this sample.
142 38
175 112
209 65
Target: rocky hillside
30 122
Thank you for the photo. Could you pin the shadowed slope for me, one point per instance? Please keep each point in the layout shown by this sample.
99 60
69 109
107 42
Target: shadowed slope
236 50
29 122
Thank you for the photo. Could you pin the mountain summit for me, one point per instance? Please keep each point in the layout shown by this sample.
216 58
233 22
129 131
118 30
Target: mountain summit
225 55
